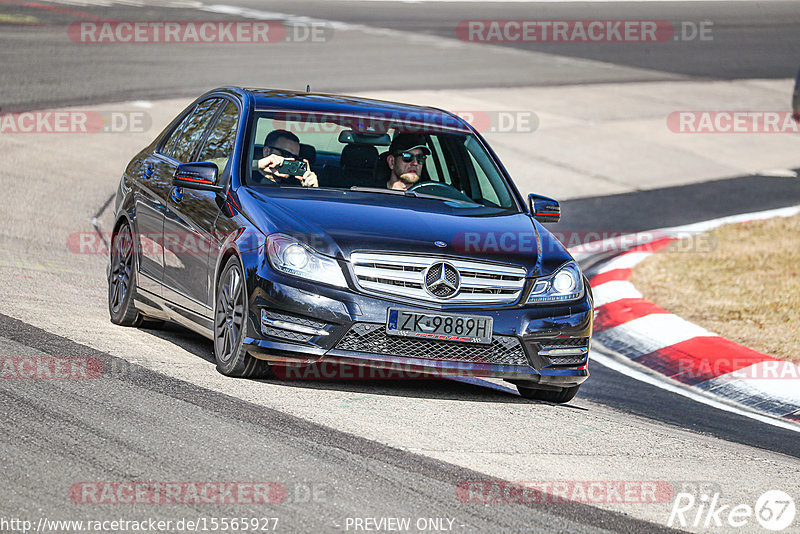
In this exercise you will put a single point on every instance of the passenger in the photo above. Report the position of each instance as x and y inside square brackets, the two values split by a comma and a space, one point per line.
[406, 158]
[278, 146]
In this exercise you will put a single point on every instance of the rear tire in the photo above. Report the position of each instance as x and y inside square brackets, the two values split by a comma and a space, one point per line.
[122, 279]
[230, 326]
[559, 397]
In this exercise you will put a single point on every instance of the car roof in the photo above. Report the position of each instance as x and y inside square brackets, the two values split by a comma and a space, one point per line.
[283, 100]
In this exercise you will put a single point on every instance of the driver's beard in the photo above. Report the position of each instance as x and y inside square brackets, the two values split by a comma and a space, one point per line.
[409, 178]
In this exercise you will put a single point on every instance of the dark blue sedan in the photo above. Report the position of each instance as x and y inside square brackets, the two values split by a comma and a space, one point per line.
[298, 229]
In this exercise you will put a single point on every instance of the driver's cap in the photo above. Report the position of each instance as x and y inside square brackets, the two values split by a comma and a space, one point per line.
[408, 141]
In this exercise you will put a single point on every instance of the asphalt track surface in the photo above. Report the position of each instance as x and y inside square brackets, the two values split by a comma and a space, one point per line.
[43, 67]
[142, 425]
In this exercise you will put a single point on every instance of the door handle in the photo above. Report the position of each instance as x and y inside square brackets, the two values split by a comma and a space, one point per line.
[177, 195]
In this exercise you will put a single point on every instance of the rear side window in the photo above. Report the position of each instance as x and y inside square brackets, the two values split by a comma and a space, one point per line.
[183, 141]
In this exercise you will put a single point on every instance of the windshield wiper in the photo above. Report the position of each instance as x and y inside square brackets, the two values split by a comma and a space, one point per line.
[412, 194]
[384, 190]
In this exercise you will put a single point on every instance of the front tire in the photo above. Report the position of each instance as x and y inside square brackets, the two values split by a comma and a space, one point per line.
[561, 396]
[230, 326]
[122, 279]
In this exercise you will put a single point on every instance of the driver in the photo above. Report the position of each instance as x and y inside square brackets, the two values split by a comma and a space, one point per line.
[406, 158]
[280, 145]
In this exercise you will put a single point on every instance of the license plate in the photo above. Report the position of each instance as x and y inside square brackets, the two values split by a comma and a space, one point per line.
[444, 327]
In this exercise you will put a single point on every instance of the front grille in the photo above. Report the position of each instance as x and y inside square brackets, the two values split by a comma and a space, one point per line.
[567, 360]
[372, 338]
[289, 335]
[285, 334]
[563, 343]
[407, 276]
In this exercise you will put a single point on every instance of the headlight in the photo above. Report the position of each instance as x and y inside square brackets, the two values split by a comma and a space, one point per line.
[287, 255]
[564, 284]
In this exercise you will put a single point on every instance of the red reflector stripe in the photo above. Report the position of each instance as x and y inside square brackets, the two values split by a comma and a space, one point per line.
[195, 180]
[623, 310]
[234, 201]
[614, 275]
[700, 358]
[653, 246]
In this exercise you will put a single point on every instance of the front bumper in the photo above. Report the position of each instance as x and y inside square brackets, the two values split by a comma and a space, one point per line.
[296, 324]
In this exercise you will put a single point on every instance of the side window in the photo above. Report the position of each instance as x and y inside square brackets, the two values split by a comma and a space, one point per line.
[218, 147]
[191, 131]
[486, 189]
[487, 184]
[437, 169]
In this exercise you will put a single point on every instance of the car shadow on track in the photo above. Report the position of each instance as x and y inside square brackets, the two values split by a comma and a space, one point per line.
[472, 389]
[476, 390]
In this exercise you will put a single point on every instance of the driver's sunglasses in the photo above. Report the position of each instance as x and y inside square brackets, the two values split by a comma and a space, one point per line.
[283, 153]
[408, 156]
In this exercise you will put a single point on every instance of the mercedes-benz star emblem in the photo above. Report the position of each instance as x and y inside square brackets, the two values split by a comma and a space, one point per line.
[442, 280]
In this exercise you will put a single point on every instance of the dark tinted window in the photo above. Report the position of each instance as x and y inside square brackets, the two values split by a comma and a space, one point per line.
[183, 142]
[218, 146]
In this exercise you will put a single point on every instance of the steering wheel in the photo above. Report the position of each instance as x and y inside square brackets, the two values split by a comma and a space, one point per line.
[440, 190]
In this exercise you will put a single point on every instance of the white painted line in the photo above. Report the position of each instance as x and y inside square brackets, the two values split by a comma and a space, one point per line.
[613, 291]
[289, 19]
[778, 173]
[628, 370]
[773, 378]
[745, 217]
[745, 394]
[628, 260]
[608, 244]
[654, 332]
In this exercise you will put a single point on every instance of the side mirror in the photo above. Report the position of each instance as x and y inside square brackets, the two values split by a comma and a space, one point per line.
[544, 209]
[202, 175]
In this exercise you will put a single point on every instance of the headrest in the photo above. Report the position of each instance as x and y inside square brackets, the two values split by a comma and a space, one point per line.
[308, 152]
[359, 156]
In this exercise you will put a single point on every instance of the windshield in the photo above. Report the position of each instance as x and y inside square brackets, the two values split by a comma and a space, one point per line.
[351, 153]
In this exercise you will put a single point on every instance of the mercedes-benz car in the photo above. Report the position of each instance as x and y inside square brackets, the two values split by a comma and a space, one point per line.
[453, 275]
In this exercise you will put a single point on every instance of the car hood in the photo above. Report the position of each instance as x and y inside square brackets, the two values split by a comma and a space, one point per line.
[337, 223]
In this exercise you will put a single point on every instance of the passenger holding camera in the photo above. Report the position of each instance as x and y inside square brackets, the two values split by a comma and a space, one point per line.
[281, 162]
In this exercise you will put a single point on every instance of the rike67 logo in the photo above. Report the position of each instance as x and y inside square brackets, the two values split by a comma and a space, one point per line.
[774, 510]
